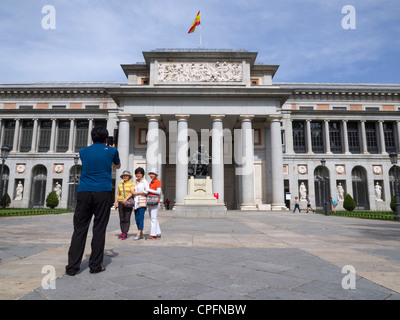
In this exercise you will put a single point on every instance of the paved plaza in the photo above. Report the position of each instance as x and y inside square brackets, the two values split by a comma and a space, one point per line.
[246, 256]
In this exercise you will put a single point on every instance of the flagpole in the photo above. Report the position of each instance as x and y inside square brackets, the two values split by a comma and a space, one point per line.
[201, 40]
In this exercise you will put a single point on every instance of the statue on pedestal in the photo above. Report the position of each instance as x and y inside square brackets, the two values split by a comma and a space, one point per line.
[200, 164]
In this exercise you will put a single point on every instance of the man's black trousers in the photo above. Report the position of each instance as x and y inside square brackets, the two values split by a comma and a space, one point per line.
[89, 204]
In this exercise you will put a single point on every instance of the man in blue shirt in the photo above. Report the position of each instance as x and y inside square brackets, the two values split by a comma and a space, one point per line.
[94, 198]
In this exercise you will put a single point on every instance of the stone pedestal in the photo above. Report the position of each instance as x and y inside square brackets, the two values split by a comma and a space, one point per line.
[303, 205]
[200, 201]
[381, 205]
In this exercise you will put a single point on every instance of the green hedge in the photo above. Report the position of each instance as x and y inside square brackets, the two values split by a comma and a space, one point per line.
[30, 212]
[379, 215]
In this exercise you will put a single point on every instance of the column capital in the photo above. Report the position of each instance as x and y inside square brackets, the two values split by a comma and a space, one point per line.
[124, 117]
[153, 117]
[245, 117]
[182, 117]
[275, 117]
[217, 117]
[345, 120]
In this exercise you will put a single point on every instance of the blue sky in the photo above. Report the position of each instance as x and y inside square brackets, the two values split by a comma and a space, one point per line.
[305, 37]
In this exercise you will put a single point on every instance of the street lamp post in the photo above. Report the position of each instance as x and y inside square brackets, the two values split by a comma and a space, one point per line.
[393, 160]
[5, 150]
[325, 206]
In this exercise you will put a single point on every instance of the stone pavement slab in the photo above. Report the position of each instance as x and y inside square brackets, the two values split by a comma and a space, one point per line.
[246, 256]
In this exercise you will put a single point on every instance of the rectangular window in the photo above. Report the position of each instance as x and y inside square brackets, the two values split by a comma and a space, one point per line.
[26, 136]
[44, 136]
[388, 132]
[299, 137]
[82, 128]
[9, 129]
[353, 137]
[63, 136]
[317, 138]
[335, 137]
[372, 142]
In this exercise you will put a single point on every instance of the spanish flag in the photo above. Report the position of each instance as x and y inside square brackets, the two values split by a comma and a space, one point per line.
[195, 23]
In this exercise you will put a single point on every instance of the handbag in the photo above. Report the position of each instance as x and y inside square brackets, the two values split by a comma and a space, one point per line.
[130, 203]
[153, 200]
[142, 201]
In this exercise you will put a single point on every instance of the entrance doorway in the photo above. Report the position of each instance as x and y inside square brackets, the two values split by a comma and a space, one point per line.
[38, 191]
[319, 173]
[360, 188]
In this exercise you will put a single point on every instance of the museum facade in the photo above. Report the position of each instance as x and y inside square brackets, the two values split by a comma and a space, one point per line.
[264, 140]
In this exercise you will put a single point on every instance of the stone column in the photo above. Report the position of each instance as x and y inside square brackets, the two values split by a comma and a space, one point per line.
[53, 135]
[182, 146]
[289, 137]
[278, 199]
[345, 137]
[71, 135]
[217, 154]
[308, 132]
[364, 138]
[382, 138]
[247, 164]
[16, 136]
[327, 141]
[123, 143]
[153, 152]
[1, 132]
[89, 139]
[398, 136]
[34, 136]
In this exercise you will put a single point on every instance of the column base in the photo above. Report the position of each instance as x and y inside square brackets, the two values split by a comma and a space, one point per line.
[249, 207]
[279, 207]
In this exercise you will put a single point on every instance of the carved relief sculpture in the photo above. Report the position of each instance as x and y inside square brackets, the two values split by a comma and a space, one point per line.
[200, 72]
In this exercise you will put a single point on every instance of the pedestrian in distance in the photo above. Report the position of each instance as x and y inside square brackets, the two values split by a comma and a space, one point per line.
[154, 191]
[296, 204]
[334, 205]
[309, 207]
[121, 203]
[94, 198]
[141, 185]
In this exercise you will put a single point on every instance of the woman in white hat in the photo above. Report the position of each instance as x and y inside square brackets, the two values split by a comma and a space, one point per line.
[154, 190]
[123, 194]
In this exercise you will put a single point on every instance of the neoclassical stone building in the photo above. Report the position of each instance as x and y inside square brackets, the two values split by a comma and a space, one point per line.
[264, 139]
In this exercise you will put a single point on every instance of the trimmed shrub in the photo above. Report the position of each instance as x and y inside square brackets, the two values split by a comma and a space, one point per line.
[52, 200]
[349, 204]
[5, 201]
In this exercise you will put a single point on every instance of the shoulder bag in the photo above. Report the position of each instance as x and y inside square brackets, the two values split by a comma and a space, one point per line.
[130, 203]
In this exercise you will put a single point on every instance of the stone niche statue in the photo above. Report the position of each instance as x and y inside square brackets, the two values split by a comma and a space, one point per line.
[58, 190]
[378, 192]
[19, 191]
[200, 163]
[303, 191]
[340, 192]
